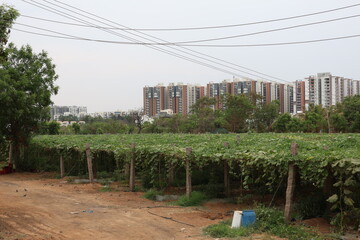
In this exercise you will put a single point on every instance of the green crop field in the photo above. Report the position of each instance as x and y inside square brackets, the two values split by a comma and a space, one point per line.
[265, 155]
[326, 164]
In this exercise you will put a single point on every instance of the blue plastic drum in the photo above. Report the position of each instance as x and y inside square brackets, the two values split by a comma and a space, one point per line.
[248, 218]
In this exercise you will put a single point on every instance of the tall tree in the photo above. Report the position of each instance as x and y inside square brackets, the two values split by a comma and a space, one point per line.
[26, 85]
[265, 115]
[203, 114]
[352, 112]
[137, 117]
[7, 18]
[282, 122]
[238, 109]
[315, 119]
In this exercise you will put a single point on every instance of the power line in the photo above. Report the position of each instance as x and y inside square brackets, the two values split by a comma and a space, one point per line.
[208, 27]
[253, 33]
[72, 37]
[267, 31]
[139, 42]
[275, 44]
[189, 50]
[47, 8]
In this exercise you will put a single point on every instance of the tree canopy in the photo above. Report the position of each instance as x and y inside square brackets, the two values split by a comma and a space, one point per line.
[27, 81]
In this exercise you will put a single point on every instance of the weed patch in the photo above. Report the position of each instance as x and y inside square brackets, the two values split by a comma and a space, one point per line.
[106, 189]
[268, 220]
[151, 194]
[196, 198]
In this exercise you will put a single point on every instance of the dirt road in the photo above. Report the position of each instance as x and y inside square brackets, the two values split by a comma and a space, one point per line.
[34, 206]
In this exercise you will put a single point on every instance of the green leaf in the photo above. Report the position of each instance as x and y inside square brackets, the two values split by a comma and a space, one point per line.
[349, 182]
[338, 184]
[333, 198]
[348, 201]
[334, 207]
[347, 191]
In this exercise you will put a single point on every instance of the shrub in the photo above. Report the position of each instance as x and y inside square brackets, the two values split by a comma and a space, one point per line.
[106, 188]
[151, 194]
[269, 220]
[196, 198]
[223, 229]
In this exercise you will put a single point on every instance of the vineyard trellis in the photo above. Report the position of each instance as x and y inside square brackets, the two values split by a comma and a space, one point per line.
[248, 161]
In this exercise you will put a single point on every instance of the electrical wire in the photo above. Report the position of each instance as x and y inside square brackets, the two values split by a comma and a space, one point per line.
[132, 39]
[248, 34]
[274, 44]
[187, 49]
[268, 31]
[139, 42]
[207, 27]
[72, 37]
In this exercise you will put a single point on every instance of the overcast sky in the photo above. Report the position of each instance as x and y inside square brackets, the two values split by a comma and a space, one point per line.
[109, 77]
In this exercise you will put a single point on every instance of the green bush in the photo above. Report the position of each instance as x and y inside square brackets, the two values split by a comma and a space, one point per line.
[196, 198]
[268, 220]
[223, 229]
[106, 188]
[151, 194]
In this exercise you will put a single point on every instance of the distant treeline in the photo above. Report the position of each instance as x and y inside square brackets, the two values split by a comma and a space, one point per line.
[239, 114]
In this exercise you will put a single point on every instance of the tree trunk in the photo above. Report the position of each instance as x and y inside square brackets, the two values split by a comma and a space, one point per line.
[132, 169]
[16, 155]
[188, 172]
[11, 160]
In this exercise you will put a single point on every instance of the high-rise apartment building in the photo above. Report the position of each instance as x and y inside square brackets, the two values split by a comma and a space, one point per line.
[322, 88]
[218, 91]
[177, 98]
[194, 93]
[356, 87]
[154, 100]
[285, 96]
[238, 87]
[299, 93]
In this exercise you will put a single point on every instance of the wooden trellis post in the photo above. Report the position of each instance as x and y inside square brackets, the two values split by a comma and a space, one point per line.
[226, 175]
[89, 163]
[132, 169]
[290, 184]
[62, 169]
[188, 172]
[171, 175]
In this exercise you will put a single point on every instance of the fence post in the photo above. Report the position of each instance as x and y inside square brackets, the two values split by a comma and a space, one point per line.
[171, 175]
[188, 172]
[132, 168]
[62, 169]
[290, 189]
[226, 174]
[89, 163]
